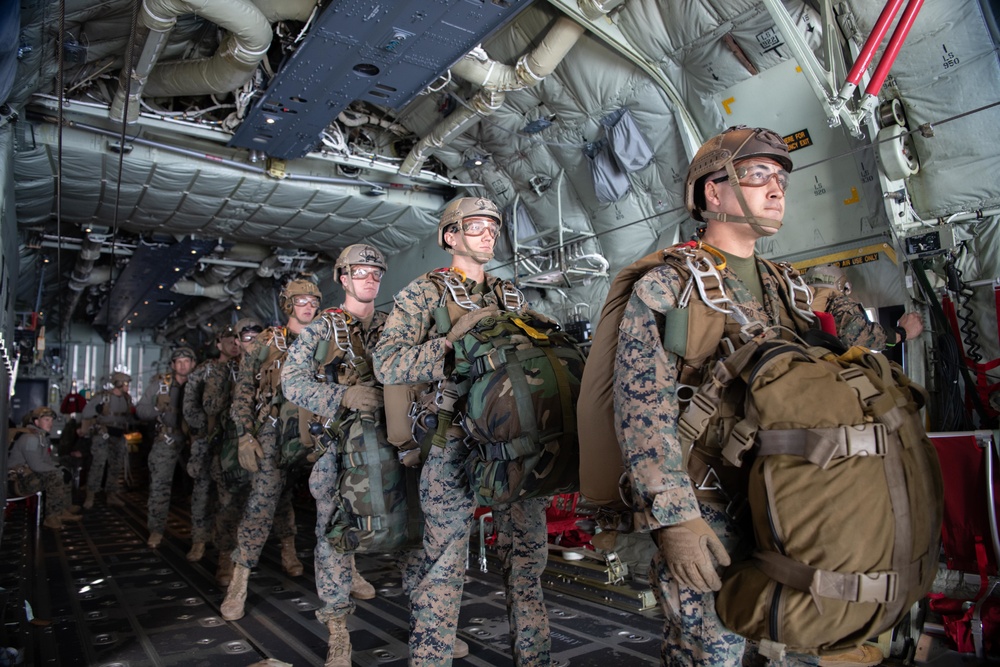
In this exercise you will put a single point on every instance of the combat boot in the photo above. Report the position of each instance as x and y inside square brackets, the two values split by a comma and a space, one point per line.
[88, 503]
[289, 560]
[114, 500]
[74, 509]
[236, 596]
[69, 516]
[865, 655]
[461, 649]
[197, 552]
[154, 540]
[338, 652]
[53, 522]
[224, 573]
[361, 589]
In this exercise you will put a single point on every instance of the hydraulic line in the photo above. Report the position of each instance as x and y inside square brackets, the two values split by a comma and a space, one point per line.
[967, 326]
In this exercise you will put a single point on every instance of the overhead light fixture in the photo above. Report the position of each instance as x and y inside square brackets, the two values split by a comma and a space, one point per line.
[474, 161]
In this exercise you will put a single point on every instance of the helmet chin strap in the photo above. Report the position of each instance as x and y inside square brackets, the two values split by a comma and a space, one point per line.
[763, 226]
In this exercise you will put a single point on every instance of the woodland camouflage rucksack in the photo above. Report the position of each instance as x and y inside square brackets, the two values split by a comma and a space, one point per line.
[523, 379]
[520, 376]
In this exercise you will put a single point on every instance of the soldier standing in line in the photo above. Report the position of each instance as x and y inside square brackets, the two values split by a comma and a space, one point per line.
[106, 418]
[735, 184]
[219, 390]
[163, 402]
[351, 332]
[257, 403]
[31, 454]
[201, 412]
[413, 350]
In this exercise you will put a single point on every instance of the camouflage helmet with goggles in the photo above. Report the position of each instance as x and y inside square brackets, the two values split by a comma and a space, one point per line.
[466, 207]
[359, 253]
[120, 379]
[182, 352]
[297, 287]
[247, 324]
[41, 412]
[721, 152]
[228, 331]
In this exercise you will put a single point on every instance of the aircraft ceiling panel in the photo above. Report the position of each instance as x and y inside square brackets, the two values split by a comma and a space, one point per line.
[379, 52]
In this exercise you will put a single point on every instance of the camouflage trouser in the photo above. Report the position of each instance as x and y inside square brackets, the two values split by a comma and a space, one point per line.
[434, 576]
[522, 543]
[270, 502]
[111, 452]
[333, 569]
[162, 461]
[57, 493]
[692, 632]
[201, 494]
[228, 511]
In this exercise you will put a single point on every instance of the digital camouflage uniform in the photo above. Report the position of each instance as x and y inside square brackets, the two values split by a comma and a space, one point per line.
[217, 393]
[254, 410]
[201, 412]
[646, 414]
[112, 415]
[162, 402]
[34, 450]
[302, 386]
[412, 351]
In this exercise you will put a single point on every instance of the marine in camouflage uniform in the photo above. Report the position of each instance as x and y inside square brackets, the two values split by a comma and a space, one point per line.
[694, 535]
[230, 503]
[107, 417]
[163, 402]
[32, 449]
[411, 351]
[359, 269]
[201, 412]
[257, 403]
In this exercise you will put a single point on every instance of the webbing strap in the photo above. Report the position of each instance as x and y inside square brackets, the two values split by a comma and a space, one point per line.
[562, 381]
[522, 398]
[880, 587]
[376, 489]
[821, 445]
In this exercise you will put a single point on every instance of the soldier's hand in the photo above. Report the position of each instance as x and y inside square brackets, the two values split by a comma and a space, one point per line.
[363, 399]
[467, 322]
[688, 549]
[249, 451]
[194, 468]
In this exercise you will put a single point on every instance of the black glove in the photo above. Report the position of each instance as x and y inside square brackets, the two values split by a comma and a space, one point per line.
[67, 475]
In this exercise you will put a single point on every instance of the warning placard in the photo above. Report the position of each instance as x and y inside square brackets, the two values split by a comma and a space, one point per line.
[798, 140]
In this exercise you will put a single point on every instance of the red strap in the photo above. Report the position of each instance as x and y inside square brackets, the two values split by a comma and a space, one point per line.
[826, 322]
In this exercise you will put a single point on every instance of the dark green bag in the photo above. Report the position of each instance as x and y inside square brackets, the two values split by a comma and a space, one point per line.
[233, 474]
[379, 508]
[524, 379]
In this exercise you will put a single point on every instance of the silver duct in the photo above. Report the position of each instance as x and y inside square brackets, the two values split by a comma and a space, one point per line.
[80, 278]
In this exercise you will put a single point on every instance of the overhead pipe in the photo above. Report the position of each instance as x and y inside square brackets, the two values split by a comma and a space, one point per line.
[495, 79]
[152, 34]
[90, 252]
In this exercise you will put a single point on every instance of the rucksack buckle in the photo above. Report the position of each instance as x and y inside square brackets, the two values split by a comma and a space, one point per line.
[880, 587]
[741, 439]
[868, 441]
[693, 422]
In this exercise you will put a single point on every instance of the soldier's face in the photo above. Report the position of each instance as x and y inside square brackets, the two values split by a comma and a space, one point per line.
[366, 286]
[44, 423]
[229, 346]
[183, 365]
[766, 201]
[306, 312]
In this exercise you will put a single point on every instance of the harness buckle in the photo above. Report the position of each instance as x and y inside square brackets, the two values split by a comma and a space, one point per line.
[458, 291]
[878, 587]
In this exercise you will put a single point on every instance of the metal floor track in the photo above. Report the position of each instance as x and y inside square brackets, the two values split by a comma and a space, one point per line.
[102, 598]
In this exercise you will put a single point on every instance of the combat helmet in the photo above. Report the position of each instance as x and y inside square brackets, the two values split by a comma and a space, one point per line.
[295, 288]
[183, 351]
[247, 324]
[39, 412]
[120, 379]
[359, 253]
[720, 153]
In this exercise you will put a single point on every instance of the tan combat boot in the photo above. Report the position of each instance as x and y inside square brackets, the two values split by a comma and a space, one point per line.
[236, 596]
[338, 653]
[461, 649]
[289, 560]
[197, 552]
[88, 503]
[154, 540]
[74, 509]
[224, 573]
[361, 589]
[865, 655]
[53, 522]
[69, 516]
[114, 500]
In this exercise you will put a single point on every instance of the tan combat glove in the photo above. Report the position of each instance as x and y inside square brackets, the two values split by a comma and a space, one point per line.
[466, 322]
[249, 451]
[363, 399]
[688, 549]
